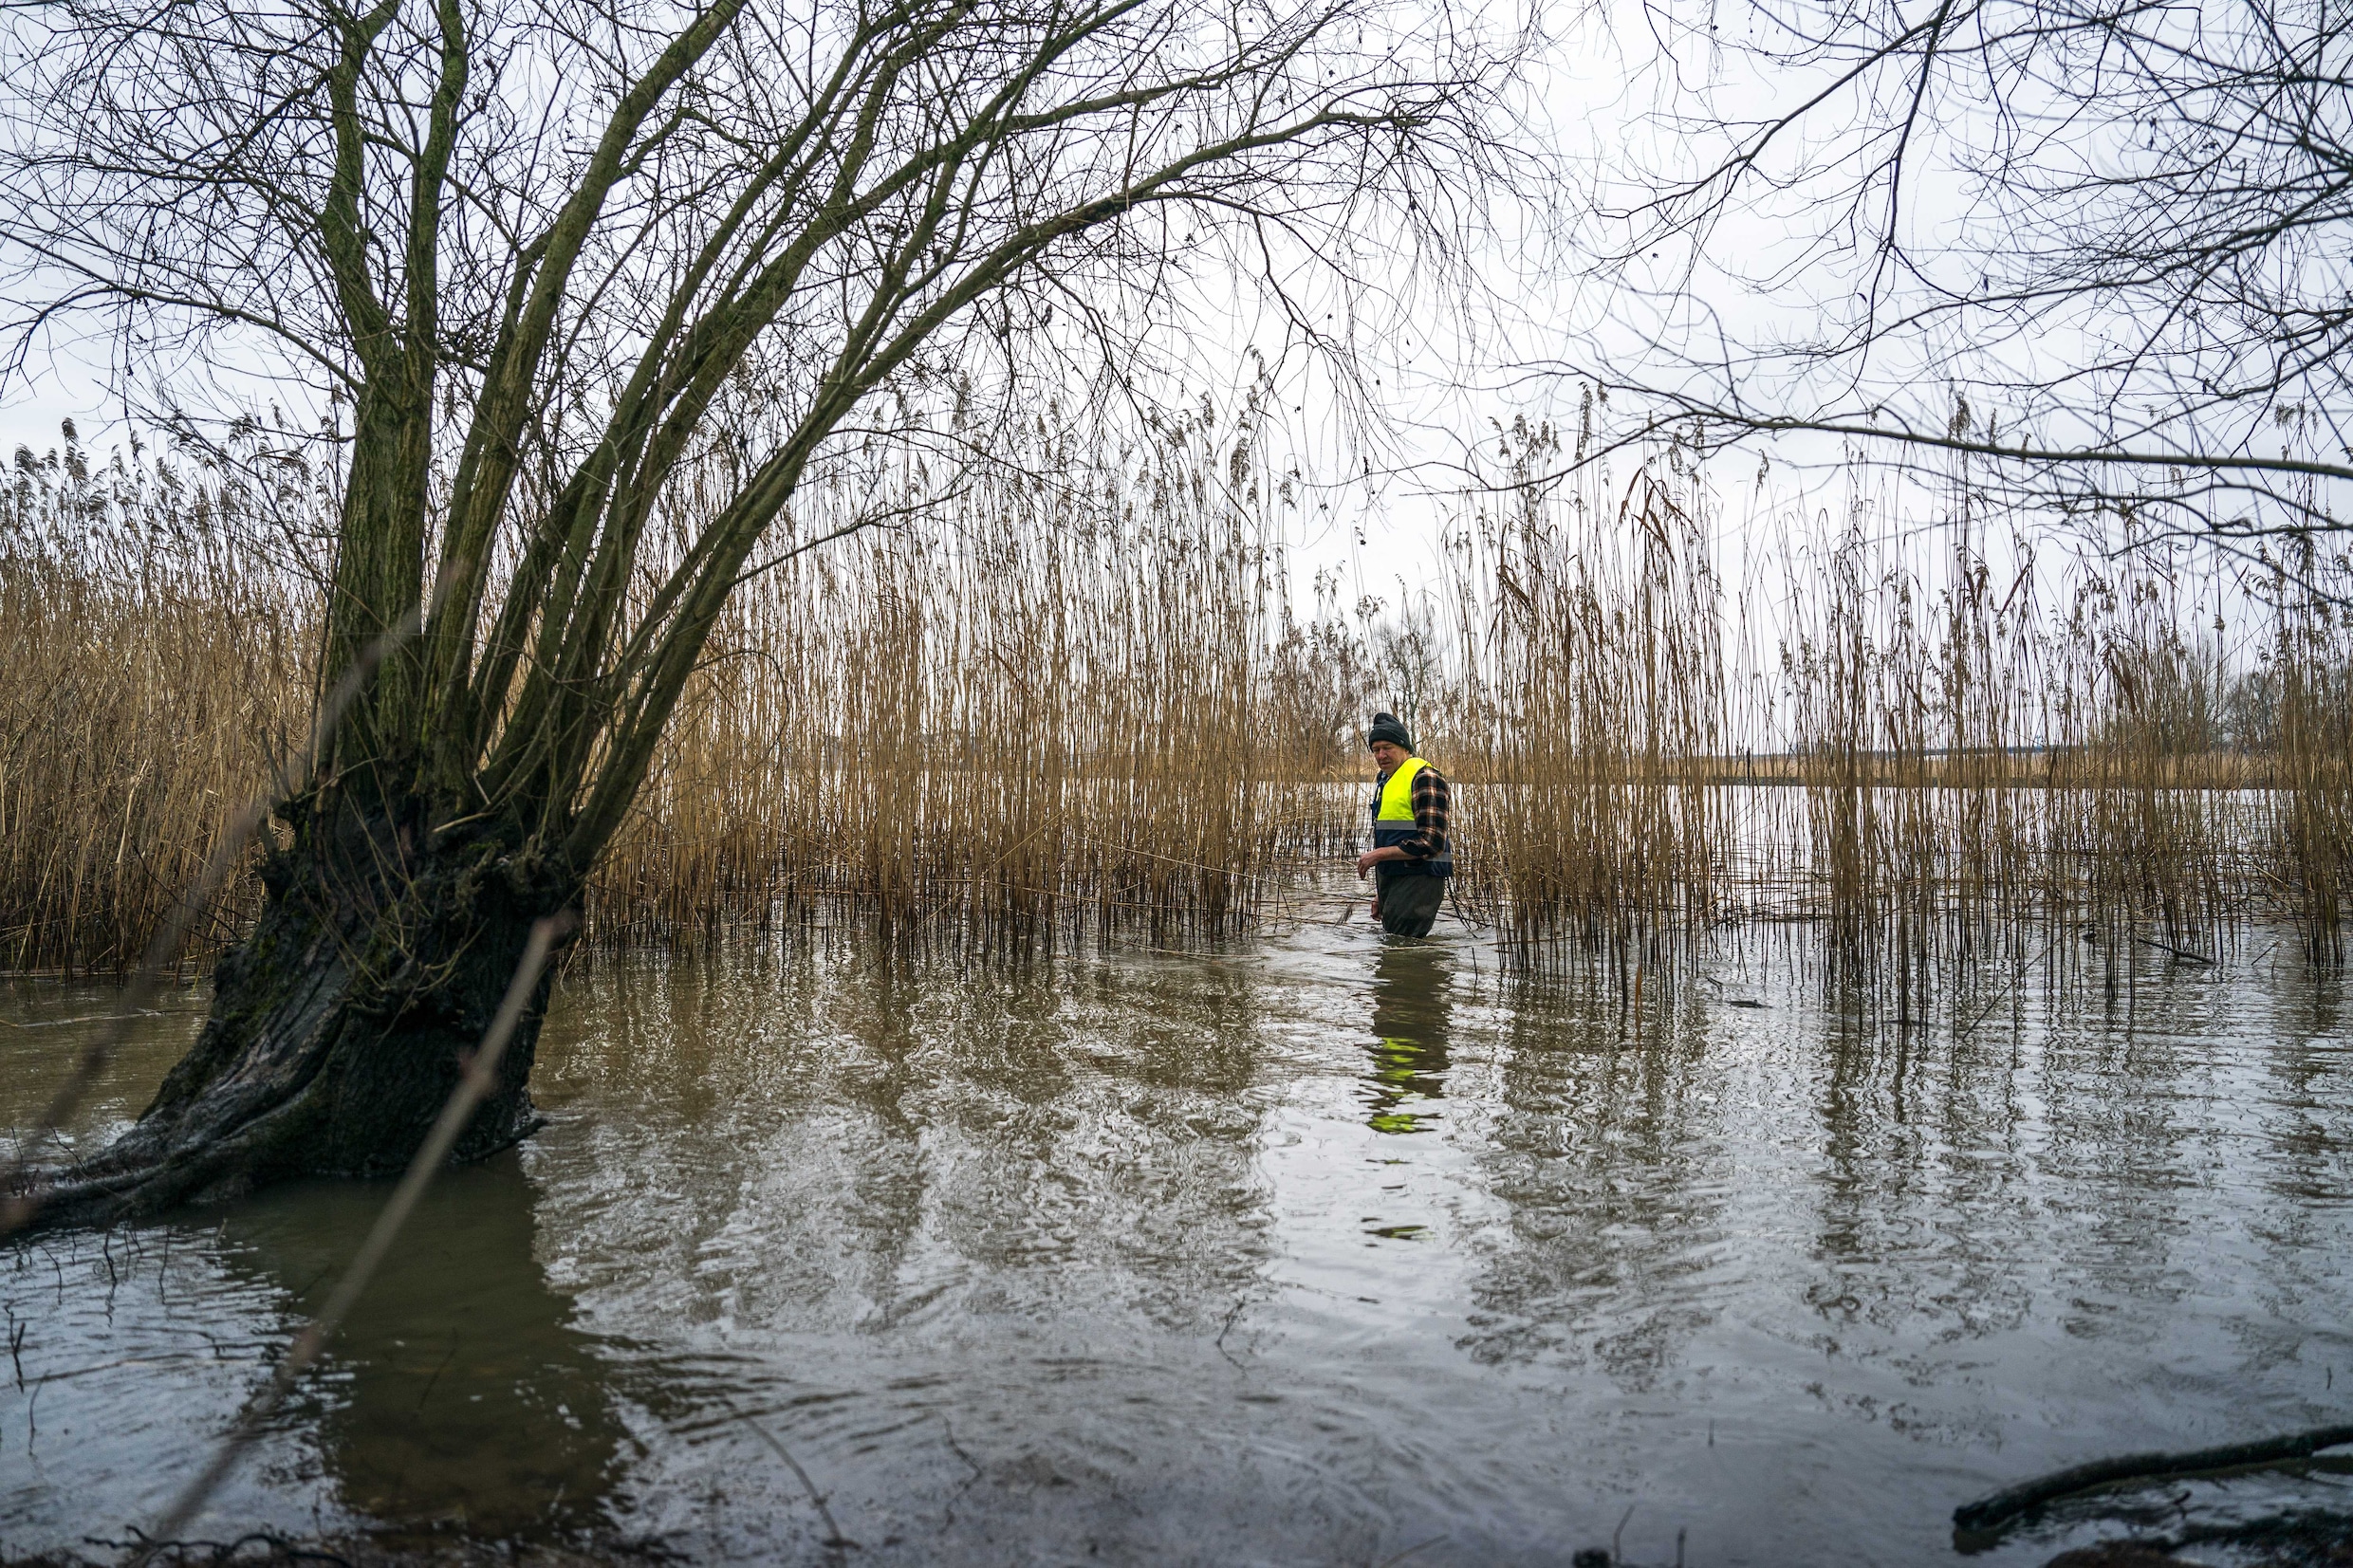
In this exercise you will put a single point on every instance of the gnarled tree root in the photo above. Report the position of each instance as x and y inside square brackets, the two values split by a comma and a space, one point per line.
[336, 1035]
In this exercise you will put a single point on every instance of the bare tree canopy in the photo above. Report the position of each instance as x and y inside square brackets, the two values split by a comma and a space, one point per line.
[561, 241]
[2104, 244]
[599, 283]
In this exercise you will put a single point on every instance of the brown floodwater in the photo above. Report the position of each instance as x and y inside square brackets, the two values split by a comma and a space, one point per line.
[1322, 1251]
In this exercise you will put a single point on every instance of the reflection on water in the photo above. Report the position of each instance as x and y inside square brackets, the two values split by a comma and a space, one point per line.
[1325, 1251]
[458, 1392]
[1411, 981]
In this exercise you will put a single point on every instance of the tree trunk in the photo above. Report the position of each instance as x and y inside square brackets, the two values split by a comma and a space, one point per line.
[339, 1024]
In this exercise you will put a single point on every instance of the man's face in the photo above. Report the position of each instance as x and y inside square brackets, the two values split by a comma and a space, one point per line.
[1387, 755]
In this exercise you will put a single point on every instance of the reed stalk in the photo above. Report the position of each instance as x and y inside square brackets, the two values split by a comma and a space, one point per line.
[1065, 699]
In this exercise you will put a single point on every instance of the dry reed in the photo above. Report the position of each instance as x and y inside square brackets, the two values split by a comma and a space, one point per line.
[150, 675]
[1030, 713]
[1066, 698]
[1593, 685]
[1058, 717]
[1927, 761]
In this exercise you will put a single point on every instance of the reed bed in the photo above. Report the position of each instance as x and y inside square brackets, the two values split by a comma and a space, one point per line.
[1061, 700]
[2303, 719]
[151, 672]
[1065, 699]
[1933, 764]
[1593, 692]
[1071, 710]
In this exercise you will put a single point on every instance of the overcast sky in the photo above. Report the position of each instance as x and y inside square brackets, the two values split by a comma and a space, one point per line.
[1448, 355]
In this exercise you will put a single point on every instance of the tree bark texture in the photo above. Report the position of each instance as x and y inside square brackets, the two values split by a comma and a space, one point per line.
[339, 1025]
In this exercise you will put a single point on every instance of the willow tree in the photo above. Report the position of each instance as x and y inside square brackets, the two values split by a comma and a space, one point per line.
[558, 262]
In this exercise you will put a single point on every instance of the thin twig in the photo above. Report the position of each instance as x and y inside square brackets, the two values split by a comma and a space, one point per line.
[1420, 1546]
[2177, 953]
[835, 1542]
[2004, 988]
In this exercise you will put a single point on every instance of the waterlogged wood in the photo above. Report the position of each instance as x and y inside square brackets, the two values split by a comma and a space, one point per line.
[478, 1079]
[1989, 1513]
[339, 1029]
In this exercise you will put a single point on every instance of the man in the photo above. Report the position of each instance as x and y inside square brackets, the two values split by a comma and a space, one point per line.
[1409, 834]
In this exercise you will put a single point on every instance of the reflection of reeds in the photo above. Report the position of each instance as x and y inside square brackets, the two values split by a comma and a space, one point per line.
[1047, 713]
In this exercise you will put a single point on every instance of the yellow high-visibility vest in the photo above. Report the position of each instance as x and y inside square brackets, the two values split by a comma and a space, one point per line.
[1393, 822]
[1395, 809]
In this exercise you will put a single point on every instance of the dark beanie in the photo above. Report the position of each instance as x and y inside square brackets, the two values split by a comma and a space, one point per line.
[1387, 728]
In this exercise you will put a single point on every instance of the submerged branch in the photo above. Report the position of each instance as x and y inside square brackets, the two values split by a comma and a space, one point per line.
[1992, 1513]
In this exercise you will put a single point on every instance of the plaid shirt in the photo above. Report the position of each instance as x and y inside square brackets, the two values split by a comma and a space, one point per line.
[1432, 803]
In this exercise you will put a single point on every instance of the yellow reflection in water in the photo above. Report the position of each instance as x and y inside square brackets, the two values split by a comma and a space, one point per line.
[1411, 1017]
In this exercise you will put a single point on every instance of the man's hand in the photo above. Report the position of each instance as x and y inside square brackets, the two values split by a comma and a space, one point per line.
[1371, 857]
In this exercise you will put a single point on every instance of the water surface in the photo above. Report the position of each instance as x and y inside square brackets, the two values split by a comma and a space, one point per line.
[1314, 1252]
